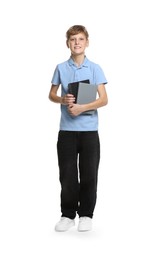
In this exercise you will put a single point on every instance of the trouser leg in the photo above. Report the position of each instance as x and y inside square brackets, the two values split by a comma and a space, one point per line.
[89, 156]
[67, 159]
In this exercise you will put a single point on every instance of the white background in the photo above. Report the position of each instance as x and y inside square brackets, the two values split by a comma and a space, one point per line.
[124, 41]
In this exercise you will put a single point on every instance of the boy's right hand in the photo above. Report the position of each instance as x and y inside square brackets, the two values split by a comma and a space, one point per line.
[68, 99]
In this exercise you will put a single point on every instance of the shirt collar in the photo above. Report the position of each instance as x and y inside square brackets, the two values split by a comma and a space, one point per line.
[84, 64]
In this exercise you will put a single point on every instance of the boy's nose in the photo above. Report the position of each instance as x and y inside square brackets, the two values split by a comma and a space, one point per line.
[76, 41]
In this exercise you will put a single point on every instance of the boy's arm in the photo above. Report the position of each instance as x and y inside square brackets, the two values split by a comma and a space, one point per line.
[101, 101]
[53, 94]
[64, 100]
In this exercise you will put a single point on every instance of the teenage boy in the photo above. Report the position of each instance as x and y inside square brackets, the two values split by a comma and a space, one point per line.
[78, 144]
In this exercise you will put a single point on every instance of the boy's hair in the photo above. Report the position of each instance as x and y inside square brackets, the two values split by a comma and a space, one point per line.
[75, 29]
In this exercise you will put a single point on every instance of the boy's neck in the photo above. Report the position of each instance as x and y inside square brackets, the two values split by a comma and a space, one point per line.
[78, 59]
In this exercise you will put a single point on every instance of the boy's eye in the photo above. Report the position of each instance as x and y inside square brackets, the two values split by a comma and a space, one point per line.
[73, 39]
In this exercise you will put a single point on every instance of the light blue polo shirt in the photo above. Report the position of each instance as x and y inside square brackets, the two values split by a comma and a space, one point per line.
[68, 72]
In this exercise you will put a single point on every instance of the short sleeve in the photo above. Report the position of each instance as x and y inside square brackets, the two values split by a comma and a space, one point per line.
[100, 76]
[56, 77]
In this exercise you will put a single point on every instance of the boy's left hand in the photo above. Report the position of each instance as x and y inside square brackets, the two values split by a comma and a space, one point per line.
[75, 109]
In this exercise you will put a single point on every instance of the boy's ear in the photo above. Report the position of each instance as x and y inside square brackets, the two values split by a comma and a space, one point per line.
[87, 42]
[67, 44]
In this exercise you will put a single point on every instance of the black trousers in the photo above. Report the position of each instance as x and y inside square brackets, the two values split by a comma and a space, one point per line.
[78, 159]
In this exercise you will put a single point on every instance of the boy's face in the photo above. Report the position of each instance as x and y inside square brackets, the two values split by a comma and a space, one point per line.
[77, 43]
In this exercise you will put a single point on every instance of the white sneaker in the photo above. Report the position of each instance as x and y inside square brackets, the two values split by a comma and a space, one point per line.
[64, 224]
[85, 224]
